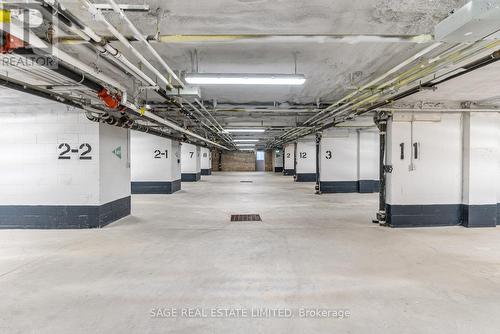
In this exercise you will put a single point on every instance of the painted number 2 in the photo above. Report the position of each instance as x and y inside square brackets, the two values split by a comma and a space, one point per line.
[303, 155]
[84, 150]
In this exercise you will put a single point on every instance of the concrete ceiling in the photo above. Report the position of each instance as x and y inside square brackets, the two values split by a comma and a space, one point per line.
[332, 69]
[480, 86]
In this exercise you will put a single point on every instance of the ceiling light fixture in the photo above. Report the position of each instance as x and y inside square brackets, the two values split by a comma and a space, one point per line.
[244, 130]
[245, 144]
[245, 140]
[244, 79]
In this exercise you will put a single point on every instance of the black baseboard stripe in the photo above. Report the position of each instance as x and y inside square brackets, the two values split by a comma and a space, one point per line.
[480, 215]
[278, 169]
[305, 177]
[289, 172]
[151, 187]
[63, 216]
[190, 177]
[338, 186]
[206, 172]
[442, 215]
[368, 186]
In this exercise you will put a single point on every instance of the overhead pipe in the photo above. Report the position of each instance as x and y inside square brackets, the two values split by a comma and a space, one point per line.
[103, 46]
[279, 38]
[217, 131]
[23, 87]
[438, 110]
[158, 119]
[141, 38]
[455, 57]
[95, 86]
[379, 78]
[99, 16]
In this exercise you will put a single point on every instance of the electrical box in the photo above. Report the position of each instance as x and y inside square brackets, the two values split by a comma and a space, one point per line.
[477, 20]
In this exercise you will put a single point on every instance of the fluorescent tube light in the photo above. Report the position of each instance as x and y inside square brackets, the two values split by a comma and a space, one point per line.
[245, 140]
[245, 130]
[244, 79]
[245, 144]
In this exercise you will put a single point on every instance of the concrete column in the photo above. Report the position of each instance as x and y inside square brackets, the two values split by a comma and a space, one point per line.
[289, 167]
[368, 160]
[155, 164]
[425, 185]
[339, 161]
[481, 169]
[190, 163]
[306, 160]
[278, 160]
[206, 161]
[58, 169]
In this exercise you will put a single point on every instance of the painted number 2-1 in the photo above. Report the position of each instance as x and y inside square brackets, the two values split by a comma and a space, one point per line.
[160, 154]
[83, 150]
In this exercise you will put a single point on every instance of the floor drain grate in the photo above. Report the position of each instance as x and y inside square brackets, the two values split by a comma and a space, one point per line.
[244, 181]
[246, 218]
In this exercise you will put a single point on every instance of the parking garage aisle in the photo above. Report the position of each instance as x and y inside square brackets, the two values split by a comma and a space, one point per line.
[310, 251]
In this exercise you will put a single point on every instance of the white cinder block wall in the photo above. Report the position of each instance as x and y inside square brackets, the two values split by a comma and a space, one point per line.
[206, 161]
[349, 160]
[58, 169]
[306, 160]
[452, 179]
[289, 168]
[190, 163]
[155, 164]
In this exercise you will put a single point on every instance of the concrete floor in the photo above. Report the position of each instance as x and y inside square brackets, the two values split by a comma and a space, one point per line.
[310, 251]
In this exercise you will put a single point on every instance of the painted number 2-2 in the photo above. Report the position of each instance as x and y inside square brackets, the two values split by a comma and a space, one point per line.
[66, 150]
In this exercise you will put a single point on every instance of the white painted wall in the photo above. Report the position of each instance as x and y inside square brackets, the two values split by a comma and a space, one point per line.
[437, 174]
[190, 158]
[290, 156]
[306, 156]
[481, 160]
[368, 154]
[153, 158]
[114, 171]
[175, 166]
[342, 146]
[206, 158]
[30, 171]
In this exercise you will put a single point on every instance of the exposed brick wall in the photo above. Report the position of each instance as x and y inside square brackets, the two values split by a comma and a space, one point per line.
[269, 160]
[215, 160]
[238, 161]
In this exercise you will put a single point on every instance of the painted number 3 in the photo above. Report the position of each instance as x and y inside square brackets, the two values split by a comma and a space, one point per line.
[328, 155]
